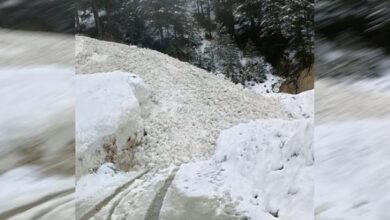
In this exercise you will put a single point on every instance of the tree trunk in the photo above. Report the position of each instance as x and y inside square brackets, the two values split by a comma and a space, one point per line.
[108, 11]
[160, 29]
[197, 6]
[77, 23]
[201, 9]
[98, 24]
[209, 18]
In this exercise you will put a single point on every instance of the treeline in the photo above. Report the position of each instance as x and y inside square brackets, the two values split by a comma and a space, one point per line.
[238, 38]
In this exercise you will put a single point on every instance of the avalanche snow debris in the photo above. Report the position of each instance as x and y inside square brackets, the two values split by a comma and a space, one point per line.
[190, 105]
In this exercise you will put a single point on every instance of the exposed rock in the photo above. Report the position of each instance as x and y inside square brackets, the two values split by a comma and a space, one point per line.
[303, 82]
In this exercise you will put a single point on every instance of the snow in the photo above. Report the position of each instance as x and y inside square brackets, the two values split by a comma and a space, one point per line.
[25, 95]
[97, 186]
[259, 169]
[98, 58]
[236, 159]
[379, 85]
[271, 85]
[25, 118]
[300, 105]
[273, 160]
[147, 189]
[92, 189]
[26, 184]
[109, 121]
[204, 44]
[351, 149]
[189, 105]
[351, 170]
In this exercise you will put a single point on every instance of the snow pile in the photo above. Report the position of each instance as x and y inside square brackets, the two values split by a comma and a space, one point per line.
[261, 170]
[352, 176]
[190, 105]
[109, 120]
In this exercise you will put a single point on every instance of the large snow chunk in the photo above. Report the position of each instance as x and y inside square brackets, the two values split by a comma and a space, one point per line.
[261, 170]
[108, 115]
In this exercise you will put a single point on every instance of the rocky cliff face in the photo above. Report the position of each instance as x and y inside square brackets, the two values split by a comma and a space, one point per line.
[303, 82]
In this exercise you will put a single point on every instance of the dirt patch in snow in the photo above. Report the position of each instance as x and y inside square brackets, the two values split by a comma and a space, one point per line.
[190, 106]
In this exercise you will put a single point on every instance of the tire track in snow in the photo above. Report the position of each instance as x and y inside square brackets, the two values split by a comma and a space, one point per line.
[103, 203]
[154, 209]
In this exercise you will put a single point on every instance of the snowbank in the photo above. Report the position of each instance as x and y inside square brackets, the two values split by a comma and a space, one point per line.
[109, 122]
[260, 170]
